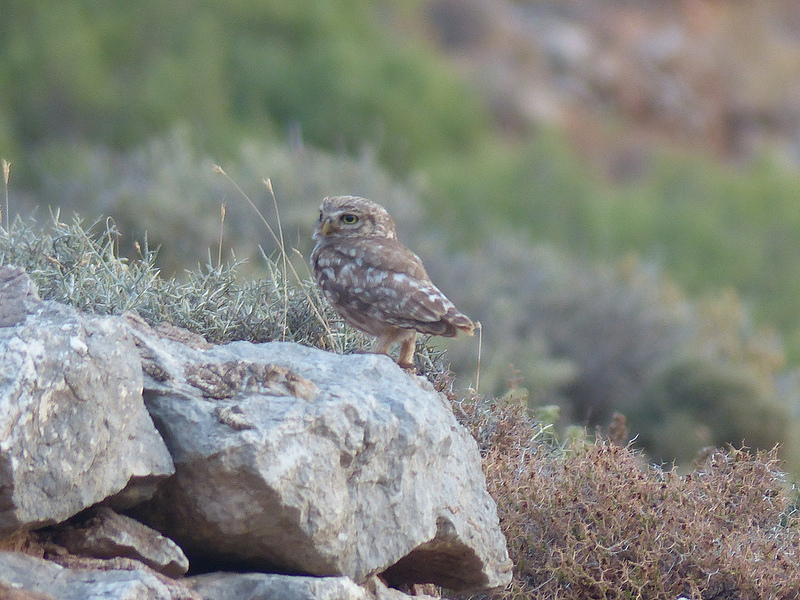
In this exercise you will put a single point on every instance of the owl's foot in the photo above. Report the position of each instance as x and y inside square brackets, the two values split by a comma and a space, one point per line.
[408, 367]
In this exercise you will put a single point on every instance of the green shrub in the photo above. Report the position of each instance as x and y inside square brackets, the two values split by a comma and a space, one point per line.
[598, 340]
[697, 403]
[709, 225]
[78, 265]
[332, 72]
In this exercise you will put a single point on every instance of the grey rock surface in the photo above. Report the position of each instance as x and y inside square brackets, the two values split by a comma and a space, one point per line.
[261, 586]
[296, 460]
[18, 296]
[73, 426]
[106, 534]
[35, 578]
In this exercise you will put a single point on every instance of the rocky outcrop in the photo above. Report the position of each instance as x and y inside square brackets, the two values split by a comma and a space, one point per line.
[296, 460]
[73, 428]
[287, 460]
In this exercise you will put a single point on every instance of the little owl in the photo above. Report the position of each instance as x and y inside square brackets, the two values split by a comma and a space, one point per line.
[374, 282]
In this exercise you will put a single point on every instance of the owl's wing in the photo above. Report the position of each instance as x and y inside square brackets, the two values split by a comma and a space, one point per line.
[391, 284]
[391, 256]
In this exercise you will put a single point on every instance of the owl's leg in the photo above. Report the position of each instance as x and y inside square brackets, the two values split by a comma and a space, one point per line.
[406, 358]
[386, 340]
[405, 337]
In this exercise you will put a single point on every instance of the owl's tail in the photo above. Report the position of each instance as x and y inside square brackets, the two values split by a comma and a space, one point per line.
[458, 322]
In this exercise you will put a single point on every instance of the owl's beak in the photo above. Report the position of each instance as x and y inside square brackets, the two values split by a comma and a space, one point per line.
[327, 227]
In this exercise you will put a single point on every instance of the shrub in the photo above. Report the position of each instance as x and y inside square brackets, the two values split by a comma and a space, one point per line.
[593, 520]
[709, 225]
[598, 339]
[119, 74]
[696, 402]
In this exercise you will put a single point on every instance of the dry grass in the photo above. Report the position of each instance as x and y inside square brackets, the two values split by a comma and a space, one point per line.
[593, 520]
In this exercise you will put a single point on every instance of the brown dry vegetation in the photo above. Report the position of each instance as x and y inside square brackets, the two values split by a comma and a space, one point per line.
[594, 520]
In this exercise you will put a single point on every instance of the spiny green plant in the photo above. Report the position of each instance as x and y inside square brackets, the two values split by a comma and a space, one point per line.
[78, 265]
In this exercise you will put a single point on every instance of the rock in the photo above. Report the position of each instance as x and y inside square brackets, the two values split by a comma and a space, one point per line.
[290, 459]
[73, 426]
[106, 534]
[286, 458]
[9, 593]
[18, 296]
[33, 578]
[261, 586]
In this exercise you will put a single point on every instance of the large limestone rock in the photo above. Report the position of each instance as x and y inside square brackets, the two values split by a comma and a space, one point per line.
[28, 578]
[295, 460]
[73, 426]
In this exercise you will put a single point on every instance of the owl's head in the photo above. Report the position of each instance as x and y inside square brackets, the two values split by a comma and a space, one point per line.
[352, 216]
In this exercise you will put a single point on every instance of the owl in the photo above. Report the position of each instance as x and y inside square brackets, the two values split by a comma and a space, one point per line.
[374, 282]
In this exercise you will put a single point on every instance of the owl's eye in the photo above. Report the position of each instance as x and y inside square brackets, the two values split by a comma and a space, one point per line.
[349, 219]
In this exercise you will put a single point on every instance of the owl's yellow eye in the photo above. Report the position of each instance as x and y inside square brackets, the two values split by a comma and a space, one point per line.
[349, 219]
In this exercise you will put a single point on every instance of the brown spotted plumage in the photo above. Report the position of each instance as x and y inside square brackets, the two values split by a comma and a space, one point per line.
[375, 283]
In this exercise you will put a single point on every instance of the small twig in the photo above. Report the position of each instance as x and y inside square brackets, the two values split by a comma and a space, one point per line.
[268, 184]
[221, 231]
[479, 327]
[113, 235]
[221, 171]
[6, 174]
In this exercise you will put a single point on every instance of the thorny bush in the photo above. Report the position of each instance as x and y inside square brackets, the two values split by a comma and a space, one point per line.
[592, 520]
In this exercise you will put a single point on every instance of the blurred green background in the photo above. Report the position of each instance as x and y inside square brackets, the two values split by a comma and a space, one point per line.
[613, 188]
